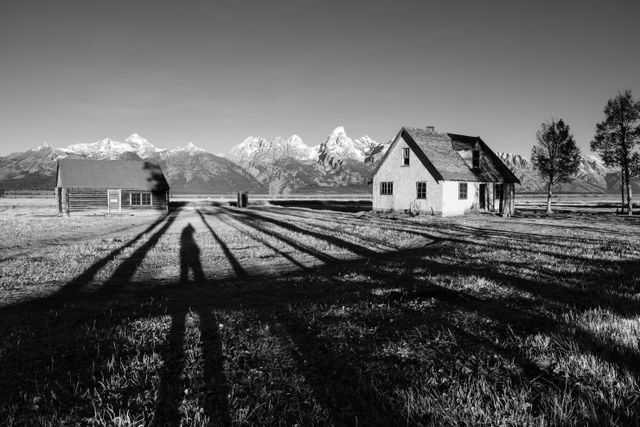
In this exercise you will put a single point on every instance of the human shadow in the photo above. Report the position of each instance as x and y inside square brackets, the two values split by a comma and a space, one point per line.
[334, 384]
[190, 256]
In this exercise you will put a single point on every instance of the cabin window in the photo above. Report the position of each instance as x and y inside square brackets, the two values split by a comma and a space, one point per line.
[462, 191]
[386, 188]
[475, 160]
[140, 199]
[405, 156]
[499, 191]
[421, 190]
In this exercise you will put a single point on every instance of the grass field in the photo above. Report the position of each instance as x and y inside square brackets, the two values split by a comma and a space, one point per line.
[288, 315]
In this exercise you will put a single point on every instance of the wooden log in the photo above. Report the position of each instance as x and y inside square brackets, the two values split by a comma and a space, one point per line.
[508, 197]
[59, 199]
[65, 201]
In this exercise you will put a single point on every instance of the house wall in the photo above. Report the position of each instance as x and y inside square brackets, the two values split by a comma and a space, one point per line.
[94, 200]
[454, 206]
[158, 201]
[404, 180]
[86, 199]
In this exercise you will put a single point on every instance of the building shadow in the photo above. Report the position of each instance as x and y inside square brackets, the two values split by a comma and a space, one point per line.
[345, 390]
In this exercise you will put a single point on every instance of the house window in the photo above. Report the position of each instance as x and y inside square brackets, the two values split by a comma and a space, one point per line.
[499, 191]
[386, 188]
[421, 190]
[140, 199]
[405, 157]
[462, 191]
[475, 160]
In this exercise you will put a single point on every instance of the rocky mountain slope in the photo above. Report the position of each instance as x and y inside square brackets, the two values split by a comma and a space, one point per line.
[592, 177]
[278, 166]
[288, 165]
[188, 169]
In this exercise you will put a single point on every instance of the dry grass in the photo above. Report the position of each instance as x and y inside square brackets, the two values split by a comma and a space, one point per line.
[298, 316]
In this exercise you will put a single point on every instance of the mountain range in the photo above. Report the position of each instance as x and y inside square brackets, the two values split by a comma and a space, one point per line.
[277, 166]
[289, 165]
[188, 169]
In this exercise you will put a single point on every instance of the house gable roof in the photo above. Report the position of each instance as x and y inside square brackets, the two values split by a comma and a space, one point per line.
[135, 175]
[492, 169]
[438, 153]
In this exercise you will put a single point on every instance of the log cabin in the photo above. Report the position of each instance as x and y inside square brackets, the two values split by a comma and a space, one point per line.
[442, 174]
[111, 187]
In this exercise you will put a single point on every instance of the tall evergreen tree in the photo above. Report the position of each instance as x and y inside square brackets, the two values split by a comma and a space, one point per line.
[618, 137]
[556, 156]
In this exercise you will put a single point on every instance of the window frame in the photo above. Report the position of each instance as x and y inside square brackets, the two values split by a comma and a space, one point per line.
[499, 191]
[406, 159]
[418, 192]
[464, 185]
[139, 196]
[386, 188]
[475, 159]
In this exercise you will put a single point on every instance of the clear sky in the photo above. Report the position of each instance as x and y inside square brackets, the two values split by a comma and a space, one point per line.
[215, 72]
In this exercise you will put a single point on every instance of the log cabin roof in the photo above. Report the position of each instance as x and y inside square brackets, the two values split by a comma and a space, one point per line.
[438, 152]
[135, 175]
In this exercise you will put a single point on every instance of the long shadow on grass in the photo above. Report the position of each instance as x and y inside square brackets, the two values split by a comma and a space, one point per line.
[171, 389]
[255, 224]
[125, 271]
[491, 238]
[334, 388]
[237, 268]
[72, 288]
[483, 235]
[233, 223]
[341, 243]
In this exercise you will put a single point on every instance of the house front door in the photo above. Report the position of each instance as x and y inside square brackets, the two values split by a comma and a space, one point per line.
[114, 200]
[482, 202]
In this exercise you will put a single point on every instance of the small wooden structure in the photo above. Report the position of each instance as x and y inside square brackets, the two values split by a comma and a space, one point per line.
[113, 187]
[243, 199]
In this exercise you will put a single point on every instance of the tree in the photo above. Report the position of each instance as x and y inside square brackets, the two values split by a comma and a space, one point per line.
[556, 155]
[617, 138]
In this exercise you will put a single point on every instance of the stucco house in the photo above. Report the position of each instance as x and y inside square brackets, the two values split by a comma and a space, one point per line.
[442, 174]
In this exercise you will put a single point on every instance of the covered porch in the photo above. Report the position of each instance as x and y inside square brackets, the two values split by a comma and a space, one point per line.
[496, 197]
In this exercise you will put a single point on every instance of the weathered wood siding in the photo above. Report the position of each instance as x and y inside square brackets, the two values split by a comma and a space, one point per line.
[95, 200]
[158, 201]
[85, 199]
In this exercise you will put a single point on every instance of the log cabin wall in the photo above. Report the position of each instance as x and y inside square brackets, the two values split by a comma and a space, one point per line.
[95, 200]
[87, 199]
[158, 201]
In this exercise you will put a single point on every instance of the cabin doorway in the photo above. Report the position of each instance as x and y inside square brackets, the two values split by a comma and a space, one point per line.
[482, 203]
[114, 200]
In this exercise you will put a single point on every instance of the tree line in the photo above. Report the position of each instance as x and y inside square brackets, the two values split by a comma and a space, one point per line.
[617, 140]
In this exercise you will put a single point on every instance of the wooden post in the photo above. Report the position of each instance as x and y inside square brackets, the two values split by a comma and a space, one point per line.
[508, 203]
[487, 199]
[59, 199]
[65, 200]
[493, 197]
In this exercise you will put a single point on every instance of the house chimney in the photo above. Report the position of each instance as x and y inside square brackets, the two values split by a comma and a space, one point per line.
[431, 128]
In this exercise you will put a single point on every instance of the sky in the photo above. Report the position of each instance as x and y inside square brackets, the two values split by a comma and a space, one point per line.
[215, 72]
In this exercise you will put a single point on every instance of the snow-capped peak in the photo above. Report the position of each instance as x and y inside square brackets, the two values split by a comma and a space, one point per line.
[134, 138]
[277, 148]
[109, 148]
[44, 146]
[339, 130]
[189, 148]
[338, 146]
